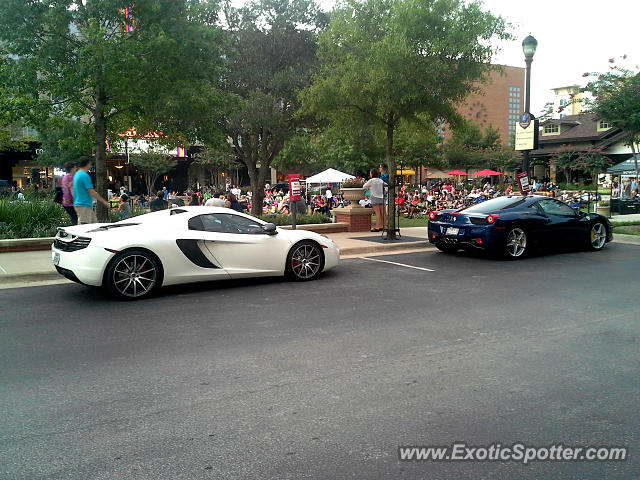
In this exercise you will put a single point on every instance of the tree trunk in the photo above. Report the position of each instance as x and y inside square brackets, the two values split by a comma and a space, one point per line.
[100, 129]
[391, 165]
[258, 178]
[635, 156]
[101, 161]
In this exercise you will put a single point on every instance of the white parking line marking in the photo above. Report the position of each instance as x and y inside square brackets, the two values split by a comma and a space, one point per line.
[399, 264]
[3, 270]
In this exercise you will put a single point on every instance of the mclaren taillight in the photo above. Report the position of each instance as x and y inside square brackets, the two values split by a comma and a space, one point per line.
[492, 218]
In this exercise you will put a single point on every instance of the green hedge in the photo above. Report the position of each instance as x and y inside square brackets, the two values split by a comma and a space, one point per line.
[285, 219]
[31, 218]
[39, 216]
[587, 187]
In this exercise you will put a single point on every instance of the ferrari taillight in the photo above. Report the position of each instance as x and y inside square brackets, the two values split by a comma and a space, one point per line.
[432, 215]
[492, 218]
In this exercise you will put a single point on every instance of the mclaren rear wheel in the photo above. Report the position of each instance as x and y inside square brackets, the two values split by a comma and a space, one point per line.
[133, 274]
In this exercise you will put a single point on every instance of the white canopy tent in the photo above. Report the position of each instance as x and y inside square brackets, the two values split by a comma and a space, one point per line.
[330, 175]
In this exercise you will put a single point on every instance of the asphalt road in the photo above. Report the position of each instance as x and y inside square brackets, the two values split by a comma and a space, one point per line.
[324, 380]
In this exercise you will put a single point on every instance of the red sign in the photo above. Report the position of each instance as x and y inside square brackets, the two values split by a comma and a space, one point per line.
[523, 183]
[294, 187]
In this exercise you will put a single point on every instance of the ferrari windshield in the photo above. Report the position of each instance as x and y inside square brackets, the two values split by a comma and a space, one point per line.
[495, 204]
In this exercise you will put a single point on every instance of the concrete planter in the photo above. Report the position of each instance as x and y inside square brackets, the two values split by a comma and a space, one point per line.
[354, 195]
[605, 211]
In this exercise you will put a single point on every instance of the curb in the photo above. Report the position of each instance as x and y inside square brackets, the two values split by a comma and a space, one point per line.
[30, 277]
[25, 244]
[424, 245]
[628, 239]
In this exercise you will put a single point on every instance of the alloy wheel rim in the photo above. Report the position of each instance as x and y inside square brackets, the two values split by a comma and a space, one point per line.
[305, 261]
[598, 235]
[516, 242]
[134, 276]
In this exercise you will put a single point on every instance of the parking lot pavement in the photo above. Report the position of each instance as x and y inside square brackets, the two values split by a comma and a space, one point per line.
[266, 379]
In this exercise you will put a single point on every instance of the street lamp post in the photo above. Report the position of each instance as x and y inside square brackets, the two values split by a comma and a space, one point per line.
[529, 46]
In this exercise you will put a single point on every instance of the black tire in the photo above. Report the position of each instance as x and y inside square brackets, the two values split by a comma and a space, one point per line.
[133, 274]
[447, 247]
[516, 243]
[304, 261]
[597, 236]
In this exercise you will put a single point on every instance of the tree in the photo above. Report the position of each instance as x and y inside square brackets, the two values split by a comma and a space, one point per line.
[64, 140]
[385, 61]
[616, 99]
[153, 164]
[214, 162]
[417, 144]
[470, 147]
[272, 54]
[112, 65]
[594, 161]
[505, 159]
[564, 160]
[355, 150]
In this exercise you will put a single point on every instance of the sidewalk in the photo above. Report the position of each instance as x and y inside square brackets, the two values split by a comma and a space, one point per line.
[18, 269]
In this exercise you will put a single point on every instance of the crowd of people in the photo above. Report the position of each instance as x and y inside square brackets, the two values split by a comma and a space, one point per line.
[78, 196]
[626, 189]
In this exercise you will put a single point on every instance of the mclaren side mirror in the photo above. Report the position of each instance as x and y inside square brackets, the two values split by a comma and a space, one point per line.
[269, 229]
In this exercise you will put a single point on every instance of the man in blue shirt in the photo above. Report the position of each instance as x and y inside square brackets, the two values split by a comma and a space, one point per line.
[84, 193]
[384, 175]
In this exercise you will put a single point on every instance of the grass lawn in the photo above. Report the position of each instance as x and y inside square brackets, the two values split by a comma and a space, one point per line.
[586, 188]
[628, 230]
[407, 222]
[622, 223]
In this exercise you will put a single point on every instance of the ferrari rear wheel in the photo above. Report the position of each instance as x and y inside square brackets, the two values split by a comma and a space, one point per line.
[597, 236]
[304, 262]
[133, 274]
[516, 244]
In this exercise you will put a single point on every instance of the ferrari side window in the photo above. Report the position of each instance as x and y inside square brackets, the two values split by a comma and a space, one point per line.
[554, 207]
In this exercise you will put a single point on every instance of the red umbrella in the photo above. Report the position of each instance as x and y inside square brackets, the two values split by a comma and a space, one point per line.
[457, 172]
[485, 173]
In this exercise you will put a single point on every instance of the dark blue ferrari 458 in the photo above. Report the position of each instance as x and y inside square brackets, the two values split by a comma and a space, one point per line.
[513, 225]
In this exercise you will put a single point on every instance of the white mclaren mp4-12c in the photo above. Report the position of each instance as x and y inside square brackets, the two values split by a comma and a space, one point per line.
[134, 257]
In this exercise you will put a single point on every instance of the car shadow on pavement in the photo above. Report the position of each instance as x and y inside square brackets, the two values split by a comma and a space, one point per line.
[93, 294]
[530, 255]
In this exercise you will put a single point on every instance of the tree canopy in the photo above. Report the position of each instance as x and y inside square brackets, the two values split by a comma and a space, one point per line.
[384, 61]
[616, 99]
[154, 66]
[272, 53]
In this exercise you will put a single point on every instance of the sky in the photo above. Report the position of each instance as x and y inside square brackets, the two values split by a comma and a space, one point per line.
[574, 37]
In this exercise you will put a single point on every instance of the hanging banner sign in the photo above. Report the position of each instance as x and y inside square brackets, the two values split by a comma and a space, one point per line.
[523, 183]
[527, 132]
[294, 187]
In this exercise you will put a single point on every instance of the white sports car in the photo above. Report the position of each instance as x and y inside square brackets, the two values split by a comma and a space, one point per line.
[133, 257]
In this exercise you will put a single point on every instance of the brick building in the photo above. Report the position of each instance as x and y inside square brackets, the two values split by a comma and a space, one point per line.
[499, 103]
